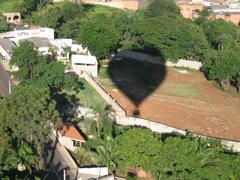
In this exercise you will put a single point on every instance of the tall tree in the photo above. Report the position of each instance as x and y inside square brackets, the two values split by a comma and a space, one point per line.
[160, 7]
[222, 66]
[24, 57]
[3, 24]
[28, 117]
[99, 35]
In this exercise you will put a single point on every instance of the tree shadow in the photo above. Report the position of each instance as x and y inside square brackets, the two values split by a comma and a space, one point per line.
[137, 75]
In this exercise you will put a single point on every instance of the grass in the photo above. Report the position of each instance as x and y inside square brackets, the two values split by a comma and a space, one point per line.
[99, 9]
[183, 68]
[90, 98]
[180, 89]
[10, 5]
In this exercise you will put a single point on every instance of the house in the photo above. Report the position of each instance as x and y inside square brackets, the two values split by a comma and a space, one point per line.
[189, 8]
[70, 137]
[13, 17]
[6, 47]
[121, 4]
[85, 63]
[227, 13]
[28, 31]
[43, 44]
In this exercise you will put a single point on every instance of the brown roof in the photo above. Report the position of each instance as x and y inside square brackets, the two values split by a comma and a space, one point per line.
[68, 130]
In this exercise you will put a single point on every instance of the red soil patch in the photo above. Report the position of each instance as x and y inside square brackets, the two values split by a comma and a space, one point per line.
[213, 112]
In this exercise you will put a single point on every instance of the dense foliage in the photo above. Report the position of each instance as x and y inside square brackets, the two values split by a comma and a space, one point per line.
[27, 118]
[40, 70]
[100, 35]
[164, 156]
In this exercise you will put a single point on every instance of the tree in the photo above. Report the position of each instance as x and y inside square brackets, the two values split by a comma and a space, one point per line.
[42, 71]
[3, 24]
[136, 147]
[28, 116]
[193, 42]
[161, 7]
[99, 35]
[222, 66]
[24, 57]
[217, 28]
[29, 6]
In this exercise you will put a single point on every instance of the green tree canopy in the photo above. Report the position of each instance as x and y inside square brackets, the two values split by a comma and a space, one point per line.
[99, 35]
[28, 116]
[3, 24]
[24, 57]
[222, 66]
[215, 31]
[160, 7]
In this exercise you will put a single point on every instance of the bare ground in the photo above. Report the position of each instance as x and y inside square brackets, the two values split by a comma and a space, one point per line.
[212, 112]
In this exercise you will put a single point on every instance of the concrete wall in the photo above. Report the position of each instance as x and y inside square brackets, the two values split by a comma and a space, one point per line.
[107, 97]
[101, 171]
[4, 53]
[143, 57]
[90, 69]
[161, 128]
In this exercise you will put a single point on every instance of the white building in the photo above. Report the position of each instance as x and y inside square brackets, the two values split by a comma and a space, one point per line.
[28, 32]
[70, 137]
[85, 63]
[6, 47]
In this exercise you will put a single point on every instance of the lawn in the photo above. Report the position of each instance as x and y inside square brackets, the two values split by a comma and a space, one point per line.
[98, 9]
[89, 97]
[180, 89]
[10, 5]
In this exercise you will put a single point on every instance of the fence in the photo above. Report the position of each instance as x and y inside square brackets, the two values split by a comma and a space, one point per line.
[157, 60]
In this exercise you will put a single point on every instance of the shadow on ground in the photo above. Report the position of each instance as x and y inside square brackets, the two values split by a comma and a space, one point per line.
[135, 76]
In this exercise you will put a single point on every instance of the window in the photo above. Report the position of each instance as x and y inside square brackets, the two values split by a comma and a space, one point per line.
[76, 143]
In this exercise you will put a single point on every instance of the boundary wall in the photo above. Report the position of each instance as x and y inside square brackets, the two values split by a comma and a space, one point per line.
[143, 57]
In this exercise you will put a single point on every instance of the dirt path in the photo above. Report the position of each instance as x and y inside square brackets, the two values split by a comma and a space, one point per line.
[212, 112]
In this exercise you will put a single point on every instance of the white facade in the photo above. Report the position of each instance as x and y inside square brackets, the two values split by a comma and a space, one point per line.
[28, 33]
[5, 55]
[70, 143]
[85, 63]
[79, 49]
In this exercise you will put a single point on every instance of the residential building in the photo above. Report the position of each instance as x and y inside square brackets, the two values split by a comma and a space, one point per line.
[6, 47]
[70, 137]
[227, 13]
[84, 63]
[121, 4]
[28, 31]
[189, 8]
[43, 44]
[13, 17]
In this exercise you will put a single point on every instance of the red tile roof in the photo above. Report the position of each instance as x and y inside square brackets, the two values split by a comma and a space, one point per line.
[68, 130]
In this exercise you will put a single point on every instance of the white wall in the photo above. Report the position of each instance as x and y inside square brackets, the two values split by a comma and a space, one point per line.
[90, 69]
[107, 97]
[101, 171]
[67, 142]
[143, 57]
[22, 34]
[77, 48]
[5, 54]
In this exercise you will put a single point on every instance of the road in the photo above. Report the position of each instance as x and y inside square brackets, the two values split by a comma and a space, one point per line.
[58, 160]
[4, 81]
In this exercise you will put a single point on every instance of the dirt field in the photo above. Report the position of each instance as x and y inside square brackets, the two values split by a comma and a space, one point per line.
[204, 109]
